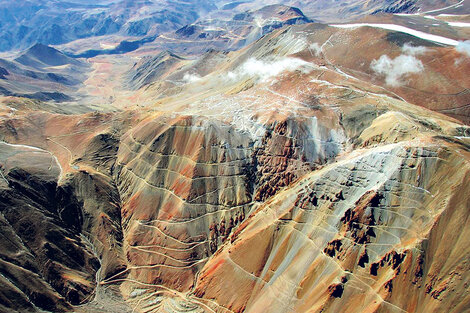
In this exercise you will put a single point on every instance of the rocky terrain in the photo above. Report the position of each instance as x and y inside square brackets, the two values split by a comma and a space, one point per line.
[313, 168]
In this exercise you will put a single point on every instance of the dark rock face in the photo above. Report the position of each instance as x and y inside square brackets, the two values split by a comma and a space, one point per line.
[336, 291]
[44, 262]
[281, 159]
[186, 31]
[405, 6]
[3, 73]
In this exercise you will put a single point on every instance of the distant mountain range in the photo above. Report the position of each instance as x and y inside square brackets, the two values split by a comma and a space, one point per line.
[24, 23]
[41, 73]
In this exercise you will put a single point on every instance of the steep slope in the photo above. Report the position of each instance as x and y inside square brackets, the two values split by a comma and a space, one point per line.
[354, 209]
[353, 235]
[44, 264]
[67, 215]
[150, 69]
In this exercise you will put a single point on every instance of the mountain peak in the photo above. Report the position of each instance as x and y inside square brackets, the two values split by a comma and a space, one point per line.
[41, 55]
[40, 48]
[278, 11]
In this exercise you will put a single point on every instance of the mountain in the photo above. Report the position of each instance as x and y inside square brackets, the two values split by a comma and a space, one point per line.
[232, 34]
[151, 69]
[56, 22]
[282, 164]
[244, 158]
[441, 86]
[25, 23]
[41, 56]
[42, 73]
[42, 243]
[347, 10]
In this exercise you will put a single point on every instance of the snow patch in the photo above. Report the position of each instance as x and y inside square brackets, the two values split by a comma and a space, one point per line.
[403, 29]
[448, 7]
[459, 24]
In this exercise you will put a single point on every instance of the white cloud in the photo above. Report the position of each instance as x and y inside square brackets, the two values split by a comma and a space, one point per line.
[411, 50]
[315, 48]
[395, 69]
[259, 21]
[464, 47]
[191, 78]
[265, 70]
